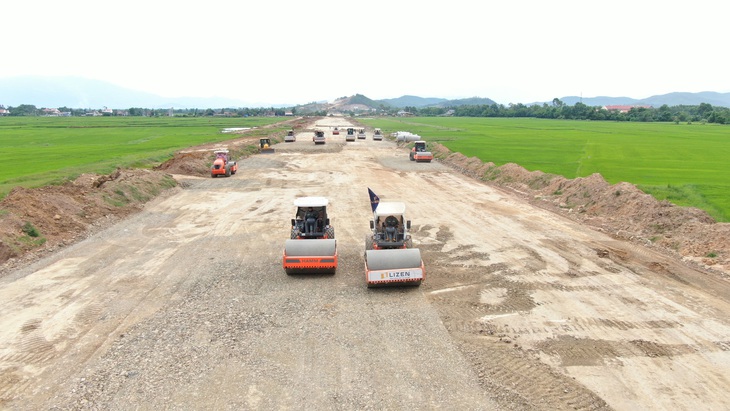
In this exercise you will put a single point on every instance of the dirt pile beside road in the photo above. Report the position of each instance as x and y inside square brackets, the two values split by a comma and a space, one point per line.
[196, 161]
[33, 221]
[36, 221]
[191, 163]
[621, 210]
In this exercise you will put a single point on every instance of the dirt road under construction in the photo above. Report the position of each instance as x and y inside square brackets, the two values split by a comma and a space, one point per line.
[185, 305]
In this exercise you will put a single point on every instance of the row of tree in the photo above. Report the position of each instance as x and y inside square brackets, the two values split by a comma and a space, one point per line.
[557, 110]
[31, 110]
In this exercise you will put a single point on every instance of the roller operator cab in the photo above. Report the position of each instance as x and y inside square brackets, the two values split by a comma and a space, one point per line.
[222, 164]
[290, 137]
[419, 153]
[319, 137]
[377, 134]
[311, 247]
[390, 258]
[350, 136]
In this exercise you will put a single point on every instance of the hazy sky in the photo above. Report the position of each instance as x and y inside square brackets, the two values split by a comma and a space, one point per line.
[298, 51]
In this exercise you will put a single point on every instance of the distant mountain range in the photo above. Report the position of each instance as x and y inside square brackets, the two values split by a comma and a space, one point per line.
[412, 101]
[419, 102]
[670, 99]
[76, 92]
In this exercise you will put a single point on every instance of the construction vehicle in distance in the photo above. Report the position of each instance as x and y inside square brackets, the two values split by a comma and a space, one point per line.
[319, 137]
[350, 134]
[223, 165]
[290, 137]
[361, 134]
[265, 146]
[390, 258]
[419, 152]
[312, 247]
[336, 131]
[377, 135]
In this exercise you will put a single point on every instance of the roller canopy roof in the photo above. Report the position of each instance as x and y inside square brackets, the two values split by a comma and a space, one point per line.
[390, 208]
[311, 202]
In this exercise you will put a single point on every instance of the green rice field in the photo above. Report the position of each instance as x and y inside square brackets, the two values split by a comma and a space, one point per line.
[36, 151]
[687, 164]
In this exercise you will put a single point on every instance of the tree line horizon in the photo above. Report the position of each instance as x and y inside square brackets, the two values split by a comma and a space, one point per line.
[557, 109]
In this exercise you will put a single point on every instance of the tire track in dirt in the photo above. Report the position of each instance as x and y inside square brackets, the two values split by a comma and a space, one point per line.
[466, 294]
[522, 378]
[562, 294]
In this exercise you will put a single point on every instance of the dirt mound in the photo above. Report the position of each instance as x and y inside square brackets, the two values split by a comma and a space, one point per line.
[41, 219]
[621, 210]
[196, 161]
[192, 163]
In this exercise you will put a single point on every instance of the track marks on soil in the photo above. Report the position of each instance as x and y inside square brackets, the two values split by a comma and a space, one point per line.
[468, 291]
[12, 382]
[540, 297]
[33, 350]
[573, 351]
[527, 383]
[540, 300]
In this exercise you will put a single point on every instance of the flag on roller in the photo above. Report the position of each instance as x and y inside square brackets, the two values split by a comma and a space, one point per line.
[374, 199]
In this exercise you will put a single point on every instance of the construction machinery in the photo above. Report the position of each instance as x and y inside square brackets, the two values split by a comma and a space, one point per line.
[377, 134]
[311, 247]
[265, 146]
[223, 165]
[350, 136]
[336, 131]
[390, 258]
[420, 153]
[319, 137]
[290, 137]
[361, 134]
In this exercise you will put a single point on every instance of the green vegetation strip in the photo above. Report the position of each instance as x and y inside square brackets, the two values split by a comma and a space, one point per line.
[687, 164]
[36, 151]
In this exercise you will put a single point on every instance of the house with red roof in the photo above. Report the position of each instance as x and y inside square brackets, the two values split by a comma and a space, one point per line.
[624, 108]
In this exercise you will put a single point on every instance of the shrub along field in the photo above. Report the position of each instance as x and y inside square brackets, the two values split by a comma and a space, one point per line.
[36, 151]
[687, 164]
